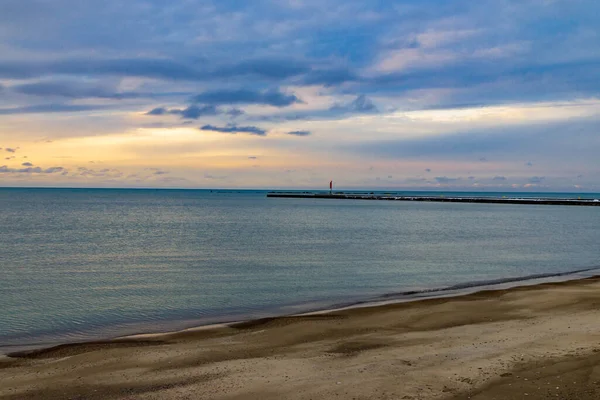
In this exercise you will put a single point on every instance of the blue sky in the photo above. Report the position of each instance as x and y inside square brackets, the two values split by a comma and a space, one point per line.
[488, 95]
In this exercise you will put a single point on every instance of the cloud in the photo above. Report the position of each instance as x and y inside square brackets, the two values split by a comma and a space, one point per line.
[235, 112]
[215, 177]
[253, 157]
[529, 164]
[427, 169]
[299, 133]
[361, 104]
[191, 112]
[499, 178]
[53, 170]
[73, 90]
[195, 112]
[155, 68]
[330, 77]
[158, 111]
[536, 179]
[138, 67]
[253, 130]
[10, 150]
[30, 170]
[27, 164]
[445, 180]
[243, 96]
[97, 173]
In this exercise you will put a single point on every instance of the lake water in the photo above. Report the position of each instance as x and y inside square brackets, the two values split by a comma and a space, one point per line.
[94, 263]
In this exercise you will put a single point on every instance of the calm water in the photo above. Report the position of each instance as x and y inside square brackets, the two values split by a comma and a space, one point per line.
[82, 264]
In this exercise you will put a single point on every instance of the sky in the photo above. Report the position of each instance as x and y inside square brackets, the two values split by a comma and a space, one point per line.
[426, 95]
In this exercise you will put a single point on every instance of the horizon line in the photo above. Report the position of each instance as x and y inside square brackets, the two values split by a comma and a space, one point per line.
[511, 190]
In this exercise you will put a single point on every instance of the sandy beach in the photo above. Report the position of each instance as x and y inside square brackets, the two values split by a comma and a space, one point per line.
[535, 342]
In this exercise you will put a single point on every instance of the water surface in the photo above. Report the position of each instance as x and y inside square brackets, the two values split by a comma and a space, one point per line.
[84, 264]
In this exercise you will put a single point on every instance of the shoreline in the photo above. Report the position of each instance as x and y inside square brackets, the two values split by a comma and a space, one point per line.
[409, 296]
[498, 343]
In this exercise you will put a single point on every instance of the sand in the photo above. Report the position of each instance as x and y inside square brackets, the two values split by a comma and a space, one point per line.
[534, 342]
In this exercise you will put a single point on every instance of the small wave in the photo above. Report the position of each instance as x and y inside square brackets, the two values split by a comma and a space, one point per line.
[490, 282]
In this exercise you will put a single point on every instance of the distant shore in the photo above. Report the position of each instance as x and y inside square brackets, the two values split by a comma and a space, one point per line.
[540, 340]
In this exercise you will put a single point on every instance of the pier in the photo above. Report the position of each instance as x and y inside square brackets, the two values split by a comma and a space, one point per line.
[432, 198]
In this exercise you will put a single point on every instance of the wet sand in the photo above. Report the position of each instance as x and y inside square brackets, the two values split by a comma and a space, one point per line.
[534, 342]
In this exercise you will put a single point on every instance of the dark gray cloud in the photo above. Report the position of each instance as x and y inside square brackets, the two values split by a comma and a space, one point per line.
[299, 133]
[536, 179]
[158, 111]
[499, 178]
[10, 150]
[329, 77]
[195, 112]
[295, 116]
[529, 164]
[243, 96]
[30, 170]
[253, 130]
[361, 104]
[139, 67]
[157, 68]
[27, 164]
[446, 180]
[191, 112]
[427, 169]
[53, 170]
[252, 157]
[72, 89]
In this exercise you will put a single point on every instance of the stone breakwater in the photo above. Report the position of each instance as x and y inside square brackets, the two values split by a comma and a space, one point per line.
[443, 199]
